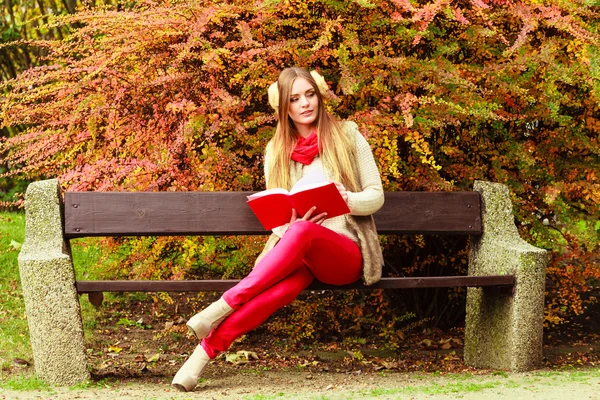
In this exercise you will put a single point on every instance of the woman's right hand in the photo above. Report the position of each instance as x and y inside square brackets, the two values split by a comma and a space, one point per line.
[317, 219]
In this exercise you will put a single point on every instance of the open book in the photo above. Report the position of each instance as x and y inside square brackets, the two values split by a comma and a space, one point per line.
[273, 207]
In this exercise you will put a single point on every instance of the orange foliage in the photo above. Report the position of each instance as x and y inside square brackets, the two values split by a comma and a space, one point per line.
[172, 96]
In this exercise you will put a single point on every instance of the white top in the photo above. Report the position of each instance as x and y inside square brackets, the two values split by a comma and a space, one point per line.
[365, 202]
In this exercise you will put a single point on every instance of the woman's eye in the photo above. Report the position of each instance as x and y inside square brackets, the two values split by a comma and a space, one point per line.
[293, 99]
[311, 94]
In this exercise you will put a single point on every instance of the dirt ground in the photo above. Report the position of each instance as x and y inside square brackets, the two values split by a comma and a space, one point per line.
[134, 353]
[254, 385]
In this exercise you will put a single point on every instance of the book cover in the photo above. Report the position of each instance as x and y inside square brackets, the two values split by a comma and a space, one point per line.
[273, 207]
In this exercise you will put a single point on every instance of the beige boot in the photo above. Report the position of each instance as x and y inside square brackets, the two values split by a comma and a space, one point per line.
[186, 378]
[208, 319]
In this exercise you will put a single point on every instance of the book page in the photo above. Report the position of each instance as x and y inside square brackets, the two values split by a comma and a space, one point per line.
[267, 192]
[310, 181]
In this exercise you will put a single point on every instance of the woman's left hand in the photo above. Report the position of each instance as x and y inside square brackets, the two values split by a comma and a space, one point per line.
[342, 191]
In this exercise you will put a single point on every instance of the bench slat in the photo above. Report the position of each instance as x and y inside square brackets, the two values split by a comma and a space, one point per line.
[225, 213]
[222, 285]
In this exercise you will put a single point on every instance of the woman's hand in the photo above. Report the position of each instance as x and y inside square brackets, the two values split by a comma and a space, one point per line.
[317, 219]
[342, 191]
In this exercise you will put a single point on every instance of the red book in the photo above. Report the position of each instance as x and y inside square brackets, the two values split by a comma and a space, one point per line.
[273, 207]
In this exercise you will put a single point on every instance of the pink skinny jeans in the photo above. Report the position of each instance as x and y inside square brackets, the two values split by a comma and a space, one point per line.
[305, 252]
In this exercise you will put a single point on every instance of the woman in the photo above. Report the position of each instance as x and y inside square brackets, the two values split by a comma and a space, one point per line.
[338, 250]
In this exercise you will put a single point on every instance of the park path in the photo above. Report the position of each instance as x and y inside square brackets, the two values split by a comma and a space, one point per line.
[263, 385]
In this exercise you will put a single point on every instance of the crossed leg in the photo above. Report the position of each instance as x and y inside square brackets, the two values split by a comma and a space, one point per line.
[305, 252]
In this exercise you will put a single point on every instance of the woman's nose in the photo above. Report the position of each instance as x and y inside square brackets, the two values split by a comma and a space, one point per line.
[303, 101]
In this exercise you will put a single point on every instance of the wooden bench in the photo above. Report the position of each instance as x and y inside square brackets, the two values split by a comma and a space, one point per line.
[505, 281]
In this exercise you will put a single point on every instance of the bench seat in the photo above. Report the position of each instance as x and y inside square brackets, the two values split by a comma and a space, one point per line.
[505, 295]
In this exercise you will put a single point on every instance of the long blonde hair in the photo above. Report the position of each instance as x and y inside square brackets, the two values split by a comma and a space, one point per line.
[336, 149]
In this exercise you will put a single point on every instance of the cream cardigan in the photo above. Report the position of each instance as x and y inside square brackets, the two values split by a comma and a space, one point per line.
[358, 225]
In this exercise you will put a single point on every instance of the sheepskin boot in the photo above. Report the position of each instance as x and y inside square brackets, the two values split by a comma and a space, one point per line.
[208, 319]
[186, 378]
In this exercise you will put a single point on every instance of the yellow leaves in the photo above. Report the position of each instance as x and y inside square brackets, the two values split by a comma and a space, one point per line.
[185, 106]
[153, 358]
[241, 357]
[114, 349]
[166, 298]
[579, 49]
[326, 36]
[550, 195]
[213, 59]
[389, 157]
[421, 146]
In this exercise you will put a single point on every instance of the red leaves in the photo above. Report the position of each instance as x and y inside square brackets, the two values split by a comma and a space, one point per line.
[173, 97]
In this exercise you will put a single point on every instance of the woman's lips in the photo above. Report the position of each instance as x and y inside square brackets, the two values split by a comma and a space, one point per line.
[307, 113]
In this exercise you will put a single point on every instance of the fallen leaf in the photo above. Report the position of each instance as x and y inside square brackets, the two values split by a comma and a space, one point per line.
[241, 357]
[20, 362]
[250, 355]
[427, 343]
[114, 349]
[389, 364]
[154, 358]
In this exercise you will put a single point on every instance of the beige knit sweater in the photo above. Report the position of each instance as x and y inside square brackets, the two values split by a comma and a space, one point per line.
[359, 225]
[366, 202]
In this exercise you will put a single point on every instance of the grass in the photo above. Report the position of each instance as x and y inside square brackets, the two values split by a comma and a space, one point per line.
[436, 388]
[14, 332]
[456, 385]
[25, 382]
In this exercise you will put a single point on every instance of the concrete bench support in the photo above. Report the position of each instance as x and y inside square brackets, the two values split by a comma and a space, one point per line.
[48, 282]
[504, 331]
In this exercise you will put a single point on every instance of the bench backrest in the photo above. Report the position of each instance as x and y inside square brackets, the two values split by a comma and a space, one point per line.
[226, 213]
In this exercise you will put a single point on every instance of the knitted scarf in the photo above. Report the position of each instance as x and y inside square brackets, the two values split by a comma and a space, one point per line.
[306, 149]
[363, 226]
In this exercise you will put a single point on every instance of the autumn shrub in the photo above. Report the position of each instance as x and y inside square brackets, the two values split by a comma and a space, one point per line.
[172, 96]
[343, 317]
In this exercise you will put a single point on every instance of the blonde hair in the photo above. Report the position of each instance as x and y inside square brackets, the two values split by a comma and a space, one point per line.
[336, 148]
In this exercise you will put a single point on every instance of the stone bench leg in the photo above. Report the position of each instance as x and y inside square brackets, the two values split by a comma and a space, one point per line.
[48, 282]
[504, 330]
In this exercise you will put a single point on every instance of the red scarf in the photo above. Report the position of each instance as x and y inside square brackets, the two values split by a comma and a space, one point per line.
[306, 149]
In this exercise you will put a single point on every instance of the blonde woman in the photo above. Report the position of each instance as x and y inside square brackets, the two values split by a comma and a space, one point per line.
[337, 251]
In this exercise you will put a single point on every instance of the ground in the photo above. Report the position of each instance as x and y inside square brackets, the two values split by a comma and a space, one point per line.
[251, 385]
[134, 351]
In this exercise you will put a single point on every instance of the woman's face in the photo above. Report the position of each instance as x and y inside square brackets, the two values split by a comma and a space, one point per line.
[304, 104]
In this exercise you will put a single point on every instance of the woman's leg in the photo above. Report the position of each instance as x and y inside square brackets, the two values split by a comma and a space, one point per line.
[242, 320]
[331, 257]
[326, 255]
[256, 311]
[306, 250]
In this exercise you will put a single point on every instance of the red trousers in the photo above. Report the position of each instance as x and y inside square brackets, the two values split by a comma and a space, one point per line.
[305, 252]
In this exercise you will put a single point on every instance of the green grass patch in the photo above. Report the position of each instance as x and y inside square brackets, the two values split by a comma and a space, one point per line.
[87, 254]
[583, 375]
[25, 382]
[14, 334]
[435, 388]
[263, 397]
